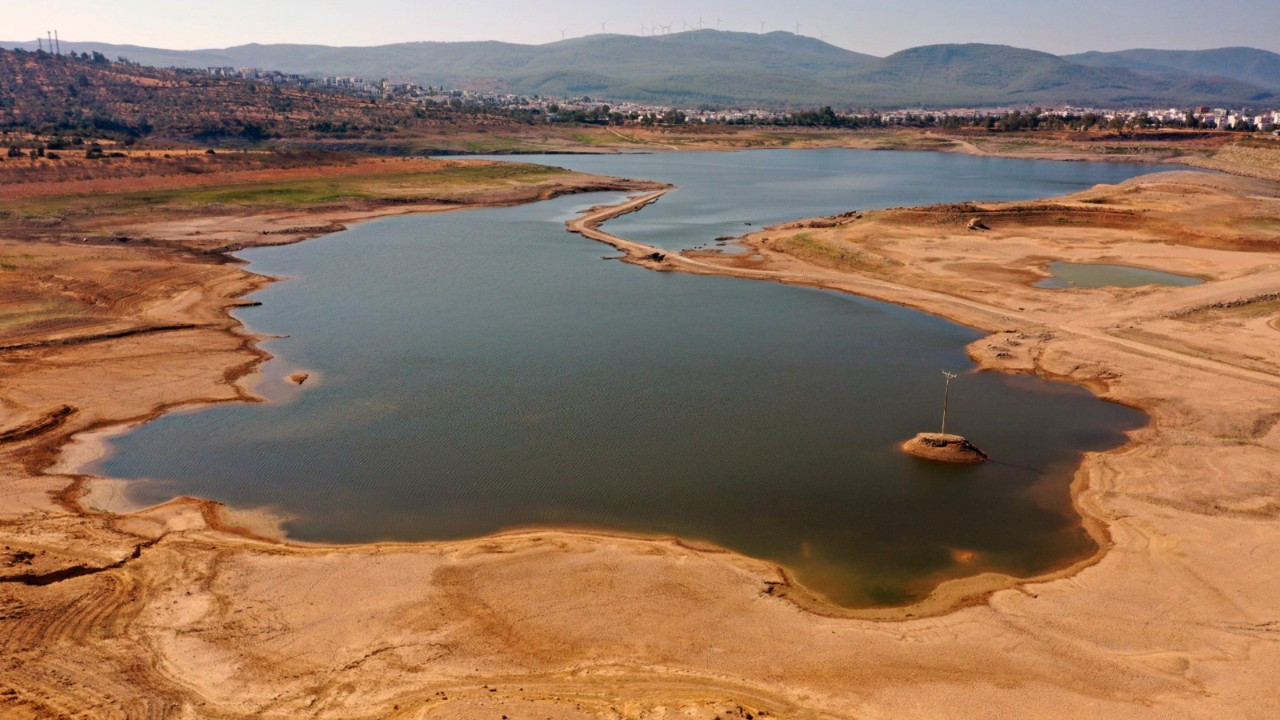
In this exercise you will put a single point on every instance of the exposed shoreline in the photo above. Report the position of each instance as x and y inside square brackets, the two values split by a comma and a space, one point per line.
[267, 524]
[950, 594]
[187, 528]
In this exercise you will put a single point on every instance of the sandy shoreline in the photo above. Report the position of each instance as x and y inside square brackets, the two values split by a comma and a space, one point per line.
[1150, 626]
[950, 594]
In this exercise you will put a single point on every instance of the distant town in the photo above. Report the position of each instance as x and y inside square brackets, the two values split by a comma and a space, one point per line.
[605, 112]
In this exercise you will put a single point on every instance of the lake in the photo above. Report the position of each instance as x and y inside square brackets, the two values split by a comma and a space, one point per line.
[486, 370]
[718, 193]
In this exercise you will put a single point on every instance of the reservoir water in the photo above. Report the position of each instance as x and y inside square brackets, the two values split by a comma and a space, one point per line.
[718, 193]
[485, 370]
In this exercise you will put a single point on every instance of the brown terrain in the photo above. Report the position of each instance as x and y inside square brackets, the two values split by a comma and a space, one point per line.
[67, 96]
[113, 309]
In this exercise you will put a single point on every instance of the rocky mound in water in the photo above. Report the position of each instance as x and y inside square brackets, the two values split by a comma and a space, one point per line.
[944, 448]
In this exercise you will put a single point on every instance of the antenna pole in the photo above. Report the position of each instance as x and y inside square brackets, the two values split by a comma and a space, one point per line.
[57, 43]
[946, 397]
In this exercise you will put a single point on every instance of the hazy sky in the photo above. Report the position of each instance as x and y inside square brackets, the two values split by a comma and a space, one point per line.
[879, 28]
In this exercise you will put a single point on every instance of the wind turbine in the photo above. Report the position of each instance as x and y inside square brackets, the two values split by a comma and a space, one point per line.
[562, 31]
[699, 22]
[797, 27]
[761, 27]
[603, 23]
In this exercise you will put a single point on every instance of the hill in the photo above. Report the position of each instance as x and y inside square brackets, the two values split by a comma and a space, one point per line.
[690, 67]
[87, 97]
[1247, 65]
[153, 57]
[976, 74]
[778, 68]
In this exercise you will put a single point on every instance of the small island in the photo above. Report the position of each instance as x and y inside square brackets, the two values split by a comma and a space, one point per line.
[944, 447]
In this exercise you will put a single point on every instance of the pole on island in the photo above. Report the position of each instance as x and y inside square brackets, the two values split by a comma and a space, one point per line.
[941, 447]
[946, 397]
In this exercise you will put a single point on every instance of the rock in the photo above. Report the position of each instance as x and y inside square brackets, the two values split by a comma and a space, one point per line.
[944, 448]
[298, 378]
[977, 224]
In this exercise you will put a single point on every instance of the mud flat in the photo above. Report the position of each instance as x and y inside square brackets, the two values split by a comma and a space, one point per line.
[178, 610]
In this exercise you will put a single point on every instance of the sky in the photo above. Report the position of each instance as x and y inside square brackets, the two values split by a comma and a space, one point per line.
[878, 28]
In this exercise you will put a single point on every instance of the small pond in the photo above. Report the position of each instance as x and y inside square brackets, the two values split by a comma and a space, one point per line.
[1089, 275]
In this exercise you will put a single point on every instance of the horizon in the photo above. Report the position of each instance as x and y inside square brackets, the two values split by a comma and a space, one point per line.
[1091, 25]
[8, 44]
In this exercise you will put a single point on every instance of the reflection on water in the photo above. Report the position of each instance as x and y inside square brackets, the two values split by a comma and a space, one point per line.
[486, 370]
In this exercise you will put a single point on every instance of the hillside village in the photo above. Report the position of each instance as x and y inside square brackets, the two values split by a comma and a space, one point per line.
[621, 112]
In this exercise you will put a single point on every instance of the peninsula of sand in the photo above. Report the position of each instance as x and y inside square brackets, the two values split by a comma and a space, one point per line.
[190, 609]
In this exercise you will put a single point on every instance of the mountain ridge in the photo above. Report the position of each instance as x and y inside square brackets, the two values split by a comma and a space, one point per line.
[1246, 64]
[771, 69]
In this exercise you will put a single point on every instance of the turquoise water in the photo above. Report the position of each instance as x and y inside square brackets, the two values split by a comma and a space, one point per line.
[485, 370]
[1088, 275]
